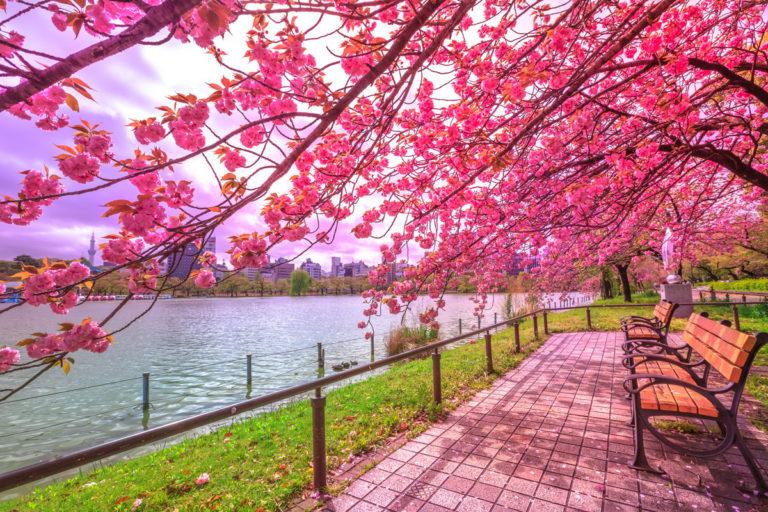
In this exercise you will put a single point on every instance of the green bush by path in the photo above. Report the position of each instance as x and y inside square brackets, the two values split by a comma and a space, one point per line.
[742, 285]
[263, 463]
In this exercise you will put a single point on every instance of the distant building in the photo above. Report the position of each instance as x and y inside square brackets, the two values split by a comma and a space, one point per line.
[355, 269]
[181, 263]
[219, 270]
[251, 273]
[523, 263]
[314, 270]
[396, 271]
[282, 269]
[92, 250]
[337, 269]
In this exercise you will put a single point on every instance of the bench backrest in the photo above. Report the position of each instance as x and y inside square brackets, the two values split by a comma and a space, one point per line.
[727, 350]
[663, 312]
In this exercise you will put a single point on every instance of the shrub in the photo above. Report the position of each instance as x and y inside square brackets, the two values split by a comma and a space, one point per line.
[406, 338]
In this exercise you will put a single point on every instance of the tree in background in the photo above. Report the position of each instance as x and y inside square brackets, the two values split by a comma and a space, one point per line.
[300, 282]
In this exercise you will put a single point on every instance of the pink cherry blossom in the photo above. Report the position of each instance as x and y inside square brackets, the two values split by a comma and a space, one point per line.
[121, 250]
[233, 160]
[205, 279]
[81, 168]
[149, 133]
[8, 357]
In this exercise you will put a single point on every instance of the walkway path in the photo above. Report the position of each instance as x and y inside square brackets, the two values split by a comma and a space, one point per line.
[551, 435]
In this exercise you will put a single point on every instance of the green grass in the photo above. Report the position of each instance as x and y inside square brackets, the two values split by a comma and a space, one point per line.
[677, 426]
[742, 285]
[263, 463]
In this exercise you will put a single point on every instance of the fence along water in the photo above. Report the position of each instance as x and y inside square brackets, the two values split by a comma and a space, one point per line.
[78, 458]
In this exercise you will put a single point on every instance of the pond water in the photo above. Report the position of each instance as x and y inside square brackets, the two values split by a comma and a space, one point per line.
[195, 351]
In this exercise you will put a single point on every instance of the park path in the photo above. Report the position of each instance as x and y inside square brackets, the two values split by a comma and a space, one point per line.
[550, 435]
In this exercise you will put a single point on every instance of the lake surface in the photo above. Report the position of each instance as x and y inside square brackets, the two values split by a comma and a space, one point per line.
[195, 351]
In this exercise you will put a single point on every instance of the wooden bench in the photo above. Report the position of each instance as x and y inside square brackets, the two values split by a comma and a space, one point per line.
[660, 385]
[641, 332]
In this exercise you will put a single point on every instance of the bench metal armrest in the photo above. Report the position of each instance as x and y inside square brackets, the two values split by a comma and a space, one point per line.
[628, 361]
[630, 345]
[629, 318]
[655, 379]
[640, 321]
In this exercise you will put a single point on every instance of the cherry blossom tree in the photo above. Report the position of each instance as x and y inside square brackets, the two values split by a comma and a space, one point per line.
[471, 132]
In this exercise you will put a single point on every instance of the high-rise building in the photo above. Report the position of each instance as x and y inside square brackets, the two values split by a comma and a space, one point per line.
[355, 269]
[181, 263]
[250, 273]
[92, 250]
[396, 271]
[313, 269]
[337, 269]
[282, 269]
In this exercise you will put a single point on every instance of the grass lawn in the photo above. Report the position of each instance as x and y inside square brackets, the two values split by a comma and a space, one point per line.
[263, 463]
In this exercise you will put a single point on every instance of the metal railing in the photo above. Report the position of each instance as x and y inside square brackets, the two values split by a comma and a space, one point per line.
[78, 458]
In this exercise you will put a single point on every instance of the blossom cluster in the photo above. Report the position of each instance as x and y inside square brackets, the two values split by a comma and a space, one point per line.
[8, 357]
[45, 107]
[87, 335]
[48, 286]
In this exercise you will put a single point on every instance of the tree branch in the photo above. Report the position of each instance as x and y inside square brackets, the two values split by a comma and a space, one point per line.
[155, 20]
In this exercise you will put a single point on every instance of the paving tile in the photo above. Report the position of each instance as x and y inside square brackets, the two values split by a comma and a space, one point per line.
[446, 498]
[471, 504]
[485, 491]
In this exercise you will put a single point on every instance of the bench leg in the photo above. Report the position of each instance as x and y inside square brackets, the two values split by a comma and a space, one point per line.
[640, 461]
[762, 487]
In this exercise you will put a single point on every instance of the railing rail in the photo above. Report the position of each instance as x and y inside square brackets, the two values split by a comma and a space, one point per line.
[33, 472]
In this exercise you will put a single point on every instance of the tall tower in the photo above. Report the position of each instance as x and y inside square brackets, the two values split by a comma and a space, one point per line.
[92, 250]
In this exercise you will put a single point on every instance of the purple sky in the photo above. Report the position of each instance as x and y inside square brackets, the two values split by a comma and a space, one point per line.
[127, 86]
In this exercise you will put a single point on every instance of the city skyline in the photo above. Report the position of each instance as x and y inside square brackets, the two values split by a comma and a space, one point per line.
[81, 249]
[180, 264]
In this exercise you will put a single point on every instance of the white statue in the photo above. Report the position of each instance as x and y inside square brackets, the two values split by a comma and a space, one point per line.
[667, 256]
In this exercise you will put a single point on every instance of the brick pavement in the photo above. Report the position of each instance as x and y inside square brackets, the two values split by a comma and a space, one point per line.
[550, 435]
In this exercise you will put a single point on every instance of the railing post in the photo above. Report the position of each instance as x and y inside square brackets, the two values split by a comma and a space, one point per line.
[517, 337]
[589, 319]
[459, 325]
[535, 326]
[495, 318]
[488, 353]
[712, 294]
[145, 391]
[373, 355]
[478, 321]
[248, 371]
[437, 383]
[744, 299]
[701, 296]
[546, 323]
[318, 441]
[736, 323]
[320, 360]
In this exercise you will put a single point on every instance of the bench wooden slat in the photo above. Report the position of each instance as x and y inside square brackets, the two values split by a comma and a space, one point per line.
[639, 332]
[726, 350]
[665, 397]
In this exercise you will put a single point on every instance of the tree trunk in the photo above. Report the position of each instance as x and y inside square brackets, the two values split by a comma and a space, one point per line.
[606, 288]
[624, 277]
